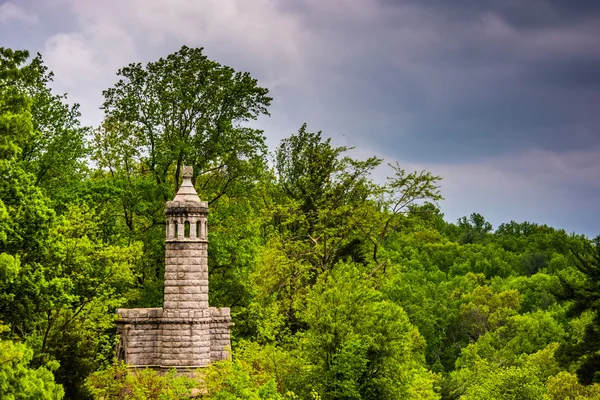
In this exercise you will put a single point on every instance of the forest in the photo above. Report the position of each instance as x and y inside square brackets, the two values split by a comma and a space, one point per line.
[340, 286]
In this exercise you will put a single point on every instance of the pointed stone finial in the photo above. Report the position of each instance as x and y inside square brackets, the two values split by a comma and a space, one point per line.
[186, 193]
[187, 172]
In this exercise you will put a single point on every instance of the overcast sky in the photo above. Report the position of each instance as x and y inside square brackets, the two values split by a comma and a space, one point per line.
[501, 98]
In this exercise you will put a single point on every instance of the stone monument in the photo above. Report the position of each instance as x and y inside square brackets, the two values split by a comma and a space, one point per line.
[186, 333]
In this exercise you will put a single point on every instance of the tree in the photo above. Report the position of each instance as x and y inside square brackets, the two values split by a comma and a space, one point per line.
[474, 229]
[584, 292]
[400, 196]
[329, 184]
[62, 280]
[184, 109]
[51, 146]
[360, 345]
[25, 208]
[564, 386]
[312, 171]
[224, 380]
[63, 304]
[119, 382]
[480, 378]
[313, 209]
[56, 155]
[486, 310]
[329, 190]
[18, 381]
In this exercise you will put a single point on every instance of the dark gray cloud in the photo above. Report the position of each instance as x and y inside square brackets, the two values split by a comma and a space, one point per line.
[499, 97]
[474, 78]
[533, 14]
[482, 93]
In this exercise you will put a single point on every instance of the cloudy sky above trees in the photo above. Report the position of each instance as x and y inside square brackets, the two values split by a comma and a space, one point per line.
[501, 98]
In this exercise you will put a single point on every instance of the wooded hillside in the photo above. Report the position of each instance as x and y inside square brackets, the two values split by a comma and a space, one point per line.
[341, 287]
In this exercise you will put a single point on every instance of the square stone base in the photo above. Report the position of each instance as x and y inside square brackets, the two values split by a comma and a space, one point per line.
[153, 338]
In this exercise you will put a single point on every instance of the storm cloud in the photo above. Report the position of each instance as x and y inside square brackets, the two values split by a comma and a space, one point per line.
[499, 97]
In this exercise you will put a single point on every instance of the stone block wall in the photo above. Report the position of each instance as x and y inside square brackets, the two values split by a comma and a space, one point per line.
[140, 330]
[163, 339]
[186, 276]
[185, 338]
[220, 340]
[185, 344]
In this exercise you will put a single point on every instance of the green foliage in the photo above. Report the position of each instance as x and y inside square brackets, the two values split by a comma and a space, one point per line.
[358, 344]
[399, 196]
[63, 305]
[184, 108]
[485, 310]
[324, 209]
[282, 362]
[480, 378]
[584, 291]
[228, 380]
[223, 381]
[325, 190]
[340, 287]
[564, 386]
[118, 382]
[434, 306]
[55, 153]
[474, 229]
[24, 212]
[537, 291]
[18, 381]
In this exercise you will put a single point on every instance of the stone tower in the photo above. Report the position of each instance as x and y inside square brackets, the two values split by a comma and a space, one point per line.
[186, 333]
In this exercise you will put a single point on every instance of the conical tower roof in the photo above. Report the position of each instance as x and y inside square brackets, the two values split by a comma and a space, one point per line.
[186, 192]
[186, 197]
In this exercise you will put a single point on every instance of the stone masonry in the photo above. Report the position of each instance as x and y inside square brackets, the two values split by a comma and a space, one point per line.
[186, 333]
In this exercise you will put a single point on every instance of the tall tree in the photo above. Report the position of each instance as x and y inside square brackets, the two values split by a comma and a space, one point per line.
[328, 188]
[585, 296]
[53, 150]
[184, 108]
[26, 211]
[361, 345]
[60, 278]
[400, 196]
[57, 153]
